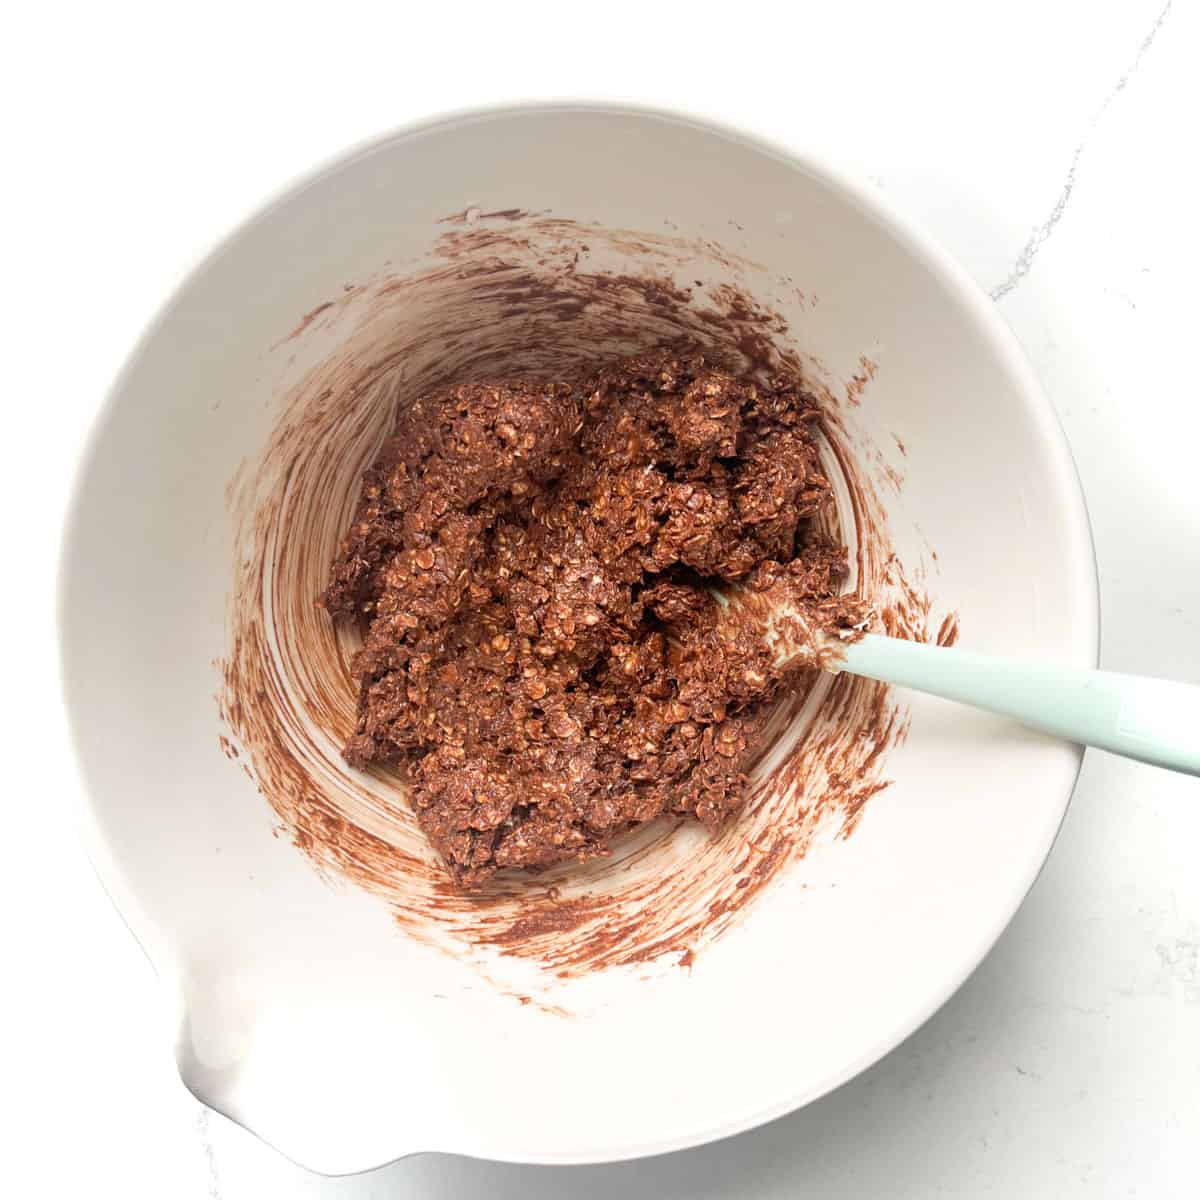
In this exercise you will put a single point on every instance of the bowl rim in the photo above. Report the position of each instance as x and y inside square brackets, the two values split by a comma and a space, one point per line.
[966, 293]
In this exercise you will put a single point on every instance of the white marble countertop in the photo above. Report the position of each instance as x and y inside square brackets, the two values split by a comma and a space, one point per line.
[1046, 144]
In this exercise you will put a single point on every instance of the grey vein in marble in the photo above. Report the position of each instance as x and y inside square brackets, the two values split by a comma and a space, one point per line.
[1025, 259]
[210, 1154]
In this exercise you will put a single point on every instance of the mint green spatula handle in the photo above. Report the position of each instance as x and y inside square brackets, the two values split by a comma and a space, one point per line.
[1153, 720]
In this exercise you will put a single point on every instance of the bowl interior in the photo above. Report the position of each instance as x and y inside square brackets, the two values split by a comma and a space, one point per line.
[307, 1007]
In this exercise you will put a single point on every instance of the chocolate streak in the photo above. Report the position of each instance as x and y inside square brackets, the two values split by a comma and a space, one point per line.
[535, 296]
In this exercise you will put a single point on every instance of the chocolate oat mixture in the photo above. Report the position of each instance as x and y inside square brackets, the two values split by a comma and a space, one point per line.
[532, 565]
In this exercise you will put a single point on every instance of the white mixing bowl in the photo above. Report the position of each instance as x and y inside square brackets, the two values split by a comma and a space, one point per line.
[322, 1014]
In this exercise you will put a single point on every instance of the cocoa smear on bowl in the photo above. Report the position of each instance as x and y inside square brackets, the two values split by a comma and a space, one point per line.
[510, 294]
